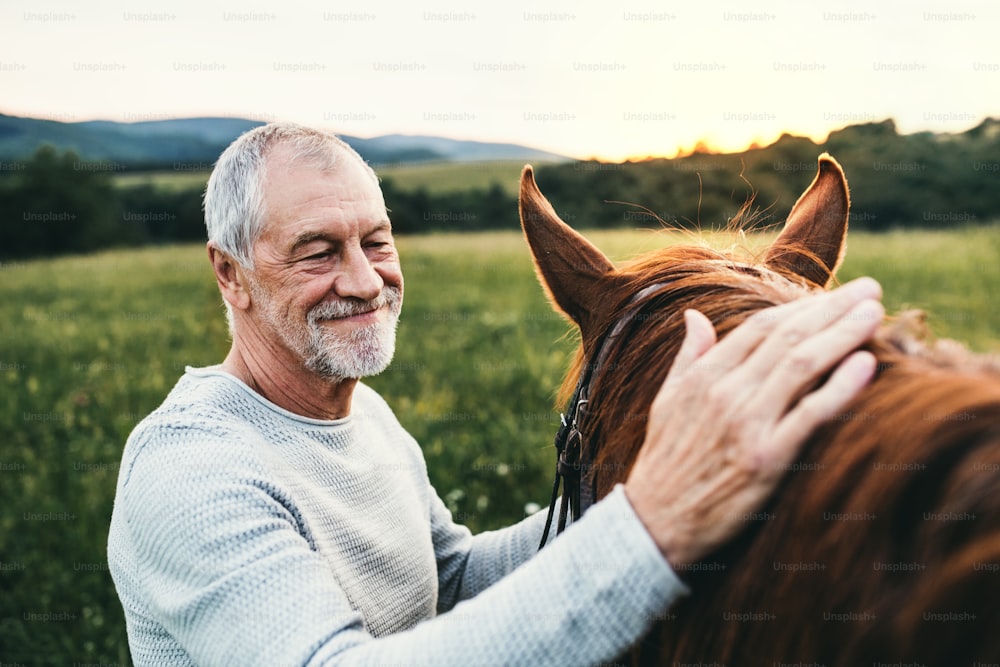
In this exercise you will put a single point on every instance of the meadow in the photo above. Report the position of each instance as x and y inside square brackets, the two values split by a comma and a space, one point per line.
[435, 177]
[90, 344]
[444, 177]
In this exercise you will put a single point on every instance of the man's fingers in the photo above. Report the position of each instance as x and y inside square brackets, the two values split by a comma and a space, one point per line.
[849, 378]
[765, 338]
[816, 316]
[699, 337]
[794, 372]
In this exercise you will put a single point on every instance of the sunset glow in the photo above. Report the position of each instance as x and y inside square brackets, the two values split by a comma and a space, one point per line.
[608, 80]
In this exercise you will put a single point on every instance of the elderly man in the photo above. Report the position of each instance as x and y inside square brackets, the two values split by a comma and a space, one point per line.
[273, 511]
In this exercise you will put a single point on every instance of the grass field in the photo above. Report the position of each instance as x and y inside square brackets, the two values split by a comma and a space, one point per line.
[166, 180]
[435, 177]
[441, 177]
[91, 344]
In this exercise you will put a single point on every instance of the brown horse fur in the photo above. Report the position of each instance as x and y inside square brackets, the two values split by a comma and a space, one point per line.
[882, 543]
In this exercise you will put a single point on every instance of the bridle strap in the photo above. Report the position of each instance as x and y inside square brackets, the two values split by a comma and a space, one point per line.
[567, 465]
[574, 467]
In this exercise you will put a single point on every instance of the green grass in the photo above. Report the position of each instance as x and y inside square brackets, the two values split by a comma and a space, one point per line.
[92, 344]
[447, 177]
[954, 277]
[435, 177]
[169, 180]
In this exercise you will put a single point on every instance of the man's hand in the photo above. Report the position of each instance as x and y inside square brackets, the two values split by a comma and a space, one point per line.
[731, 416]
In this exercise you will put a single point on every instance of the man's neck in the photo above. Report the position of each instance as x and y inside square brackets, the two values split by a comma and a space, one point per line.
[283, 380]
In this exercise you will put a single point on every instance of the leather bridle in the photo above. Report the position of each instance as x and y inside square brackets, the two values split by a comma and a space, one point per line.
[574, 453]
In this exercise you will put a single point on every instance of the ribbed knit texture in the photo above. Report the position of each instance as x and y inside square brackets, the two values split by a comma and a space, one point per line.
[243, 534]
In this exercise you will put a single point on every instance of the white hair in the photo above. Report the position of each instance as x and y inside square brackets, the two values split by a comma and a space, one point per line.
[235, 209]
[234, 199]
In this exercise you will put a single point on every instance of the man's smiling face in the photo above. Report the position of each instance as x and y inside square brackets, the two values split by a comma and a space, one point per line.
[326, 283]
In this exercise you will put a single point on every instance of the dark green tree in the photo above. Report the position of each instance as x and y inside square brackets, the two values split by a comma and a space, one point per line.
[56, 204]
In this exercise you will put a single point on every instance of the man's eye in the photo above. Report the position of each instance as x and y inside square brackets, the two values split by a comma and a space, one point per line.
[318, 256]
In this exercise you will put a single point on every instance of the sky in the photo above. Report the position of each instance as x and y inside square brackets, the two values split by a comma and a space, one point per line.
[606, 79]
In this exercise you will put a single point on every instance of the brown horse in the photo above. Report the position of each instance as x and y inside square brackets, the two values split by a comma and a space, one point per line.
[882, 543]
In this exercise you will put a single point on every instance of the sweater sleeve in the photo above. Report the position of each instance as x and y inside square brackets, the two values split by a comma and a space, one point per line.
[583, 600]
[224, 566]
[469, 564]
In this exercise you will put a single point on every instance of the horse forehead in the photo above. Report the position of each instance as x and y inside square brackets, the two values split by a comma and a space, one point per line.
[751, 271]
[743, 267]
[730, 272]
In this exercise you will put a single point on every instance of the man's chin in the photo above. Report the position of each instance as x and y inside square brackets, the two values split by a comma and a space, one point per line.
[337, 369]
[337, 376]
[337, 354]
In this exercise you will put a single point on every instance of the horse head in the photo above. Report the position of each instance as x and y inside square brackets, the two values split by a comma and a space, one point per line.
[882, 543]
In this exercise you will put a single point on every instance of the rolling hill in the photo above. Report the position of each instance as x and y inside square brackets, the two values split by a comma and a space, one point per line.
[160, 143]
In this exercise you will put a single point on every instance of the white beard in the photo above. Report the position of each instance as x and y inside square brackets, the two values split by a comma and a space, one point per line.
[336, 357]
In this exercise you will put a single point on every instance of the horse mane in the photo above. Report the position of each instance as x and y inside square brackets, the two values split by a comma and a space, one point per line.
[882, 543]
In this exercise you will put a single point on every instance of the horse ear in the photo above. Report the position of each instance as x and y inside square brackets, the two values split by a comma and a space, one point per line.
[813, 241]
[569, 266]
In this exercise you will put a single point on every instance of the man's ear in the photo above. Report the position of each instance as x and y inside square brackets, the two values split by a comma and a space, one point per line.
[230, 277]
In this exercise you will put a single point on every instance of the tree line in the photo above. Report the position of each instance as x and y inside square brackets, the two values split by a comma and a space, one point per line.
[896, 181]
[53, 204]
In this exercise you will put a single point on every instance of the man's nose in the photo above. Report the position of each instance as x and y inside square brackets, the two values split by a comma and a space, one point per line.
[358, 278]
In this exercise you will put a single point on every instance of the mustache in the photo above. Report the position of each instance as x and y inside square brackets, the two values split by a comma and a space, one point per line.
[332, 310]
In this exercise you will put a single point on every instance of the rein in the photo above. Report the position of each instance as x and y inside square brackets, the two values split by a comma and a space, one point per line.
[574, 454]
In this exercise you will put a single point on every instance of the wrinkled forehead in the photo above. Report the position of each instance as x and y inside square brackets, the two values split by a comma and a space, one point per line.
[335, 170]
[303, 196]
[327, 156]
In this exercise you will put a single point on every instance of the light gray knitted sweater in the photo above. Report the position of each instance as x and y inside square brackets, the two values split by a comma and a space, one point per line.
[243, 534]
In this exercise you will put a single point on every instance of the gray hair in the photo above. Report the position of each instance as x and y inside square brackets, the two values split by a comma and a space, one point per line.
[234, 199]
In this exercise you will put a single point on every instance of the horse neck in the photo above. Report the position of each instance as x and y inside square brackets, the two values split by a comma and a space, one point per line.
[892, 511]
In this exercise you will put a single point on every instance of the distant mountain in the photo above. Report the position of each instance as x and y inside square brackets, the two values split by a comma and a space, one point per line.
[129, 144]
[382, 149]
[212, 130]
[157, 143]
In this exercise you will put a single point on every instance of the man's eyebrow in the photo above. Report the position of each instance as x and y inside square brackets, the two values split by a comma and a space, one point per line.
[308, 237]
[383, 226]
